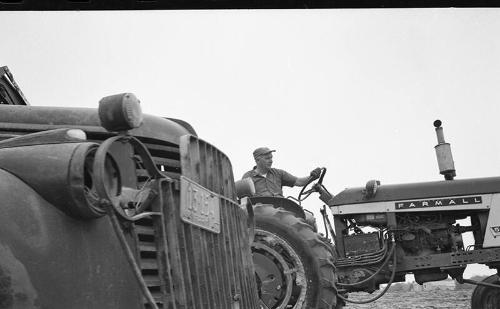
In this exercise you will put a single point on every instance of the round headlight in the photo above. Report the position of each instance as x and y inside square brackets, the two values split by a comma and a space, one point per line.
[120, 112]
[111, 181]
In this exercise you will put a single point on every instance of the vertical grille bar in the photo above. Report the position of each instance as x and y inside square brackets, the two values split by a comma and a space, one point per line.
[239, 256]
[234, 232]
[209, 261]
[183, 236]
[181, 292]
[247, 260]
[194, 259]
[195, 172]
[149, 263]
[232, 246]
[164, 255]
[224, 239]
[234, 288]
[214, 245]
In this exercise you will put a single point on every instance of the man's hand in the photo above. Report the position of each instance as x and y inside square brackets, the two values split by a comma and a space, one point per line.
[315, 173]
[300, 182]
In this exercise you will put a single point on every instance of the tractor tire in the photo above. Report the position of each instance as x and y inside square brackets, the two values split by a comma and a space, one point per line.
[485, 297]
[294, 268]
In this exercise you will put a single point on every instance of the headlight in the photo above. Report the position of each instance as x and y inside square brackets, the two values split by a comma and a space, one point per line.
[107, 179]
[111, 181]
[120, 112]
[62, 174]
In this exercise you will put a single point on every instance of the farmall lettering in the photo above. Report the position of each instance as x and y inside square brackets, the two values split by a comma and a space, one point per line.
[439, 202]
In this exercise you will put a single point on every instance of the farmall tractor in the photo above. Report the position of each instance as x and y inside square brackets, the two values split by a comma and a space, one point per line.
[383, 232]
[379, 234]
[111, 209]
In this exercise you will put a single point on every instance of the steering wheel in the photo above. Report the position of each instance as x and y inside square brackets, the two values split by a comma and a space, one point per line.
[308, 192]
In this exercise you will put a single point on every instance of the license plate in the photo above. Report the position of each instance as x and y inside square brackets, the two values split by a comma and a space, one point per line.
[199, 206]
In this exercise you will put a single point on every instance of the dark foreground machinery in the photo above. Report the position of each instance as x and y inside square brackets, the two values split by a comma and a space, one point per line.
[109, 208]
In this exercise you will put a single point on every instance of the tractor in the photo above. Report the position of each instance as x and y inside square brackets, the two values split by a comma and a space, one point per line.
[379, 234]
[383, 232]
[109, 208]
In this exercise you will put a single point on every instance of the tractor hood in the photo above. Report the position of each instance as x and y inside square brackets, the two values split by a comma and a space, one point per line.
[422, 190]
[18, 118]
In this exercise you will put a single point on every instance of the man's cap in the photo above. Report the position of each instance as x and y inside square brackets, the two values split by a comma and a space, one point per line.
[261, 151]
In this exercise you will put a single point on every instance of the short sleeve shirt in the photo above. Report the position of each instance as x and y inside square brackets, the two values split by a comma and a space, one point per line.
[271, 184]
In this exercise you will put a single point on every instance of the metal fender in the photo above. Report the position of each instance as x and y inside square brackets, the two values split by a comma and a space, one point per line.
[16, 289]
[51, 260]
[280, 202]
[56, 172]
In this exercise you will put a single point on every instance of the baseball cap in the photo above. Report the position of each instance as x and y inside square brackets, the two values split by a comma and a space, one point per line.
[261, 151]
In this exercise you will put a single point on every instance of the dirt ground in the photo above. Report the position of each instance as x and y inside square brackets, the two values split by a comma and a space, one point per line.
[436, 299]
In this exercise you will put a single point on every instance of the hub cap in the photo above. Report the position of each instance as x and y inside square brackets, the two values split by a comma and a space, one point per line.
[279, 271]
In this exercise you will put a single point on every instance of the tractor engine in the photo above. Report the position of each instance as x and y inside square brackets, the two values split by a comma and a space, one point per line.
[364, 241]
[416, 235]
[423, 234]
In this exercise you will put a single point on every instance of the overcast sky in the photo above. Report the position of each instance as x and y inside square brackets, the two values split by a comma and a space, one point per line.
[355, 91]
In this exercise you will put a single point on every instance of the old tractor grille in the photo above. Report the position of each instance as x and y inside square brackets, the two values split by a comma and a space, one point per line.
[185, 266]
[146, 238]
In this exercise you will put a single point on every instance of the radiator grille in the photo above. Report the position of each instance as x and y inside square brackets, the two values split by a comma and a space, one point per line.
[212, 270]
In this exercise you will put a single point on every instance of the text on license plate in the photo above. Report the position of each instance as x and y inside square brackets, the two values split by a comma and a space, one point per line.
[199, 206]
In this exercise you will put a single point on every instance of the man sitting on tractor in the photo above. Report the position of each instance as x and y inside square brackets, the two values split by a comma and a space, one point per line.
[268, 181]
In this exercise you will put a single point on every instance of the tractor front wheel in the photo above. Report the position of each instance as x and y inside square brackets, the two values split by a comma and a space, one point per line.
[485, 297]
[294, 267]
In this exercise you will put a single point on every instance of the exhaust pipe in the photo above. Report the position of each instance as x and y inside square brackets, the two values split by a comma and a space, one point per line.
[443, 154]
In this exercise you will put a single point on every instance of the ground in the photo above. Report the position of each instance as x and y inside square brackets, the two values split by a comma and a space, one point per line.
[436, 299]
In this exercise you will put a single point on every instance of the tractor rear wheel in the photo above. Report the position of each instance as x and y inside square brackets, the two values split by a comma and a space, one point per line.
[485, 297]
[294, 268]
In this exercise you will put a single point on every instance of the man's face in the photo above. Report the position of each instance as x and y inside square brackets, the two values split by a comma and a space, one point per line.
[265, 161]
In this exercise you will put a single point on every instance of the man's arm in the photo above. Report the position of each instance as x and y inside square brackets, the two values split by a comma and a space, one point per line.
[302, 181]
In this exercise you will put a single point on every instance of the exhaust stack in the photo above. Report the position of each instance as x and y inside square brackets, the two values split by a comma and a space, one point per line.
[443, 154]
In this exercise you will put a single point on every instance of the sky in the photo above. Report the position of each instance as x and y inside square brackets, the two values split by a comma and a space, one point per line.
[355, 91]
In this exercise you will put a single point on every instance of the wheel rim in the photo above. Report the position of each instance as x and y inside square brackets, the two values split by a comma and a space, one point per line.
[279, 270]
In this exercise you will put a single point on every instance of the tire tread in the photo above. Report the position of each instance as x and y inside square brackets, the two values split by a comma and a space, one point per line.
[266, 215]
